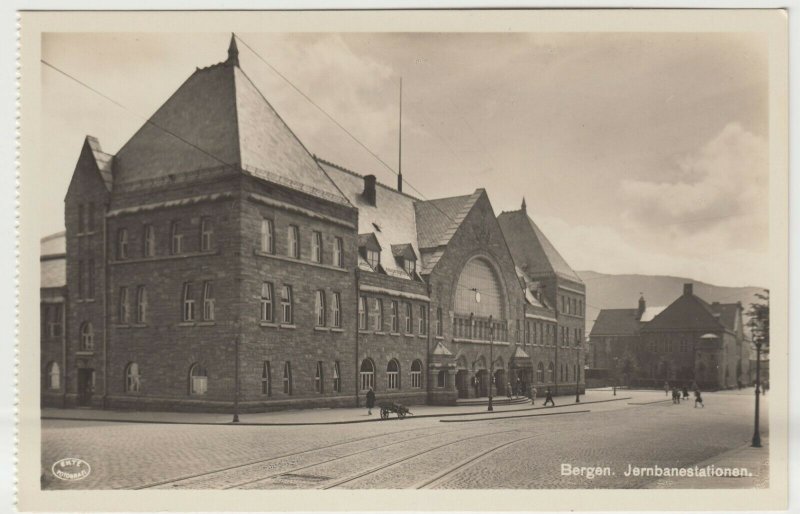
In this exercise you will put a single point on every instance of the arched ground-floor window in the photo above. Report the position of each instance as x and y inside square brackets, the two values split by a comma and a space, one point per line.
[53, 374]
[367, 374]
[416, 374]
[198, 380]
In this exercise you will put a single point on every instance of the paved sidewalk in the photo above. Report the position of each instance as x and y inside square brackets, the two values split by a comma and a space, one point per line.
[754, 460]
[324, 416]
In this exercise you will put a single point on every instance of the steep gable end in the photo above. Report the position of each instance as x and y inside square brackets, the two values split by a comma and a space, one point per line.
[688, 312]
[93, 169]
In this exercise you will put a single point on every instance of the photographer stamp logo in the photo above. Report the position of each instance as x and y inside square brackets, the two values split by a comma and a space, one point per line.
[71, 469]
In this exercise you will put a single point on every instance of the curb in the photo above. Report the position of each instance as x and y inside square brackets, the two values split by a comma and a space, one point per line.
[513, 417]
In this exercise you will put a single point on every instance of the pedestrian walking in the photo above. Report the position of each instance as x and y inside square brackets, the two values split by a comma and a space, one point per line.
[666, 388]
[533, 395]
[509, 392]
[548, 398]
[519, 387]
[370, 401]
[698, 398]
[685, 393]
[476, 384]
[676, 396]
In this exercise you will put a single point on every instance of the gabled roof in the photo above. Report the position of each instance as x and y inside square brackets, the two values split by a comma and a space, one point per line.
[687, 312]
[531, 249]
[218, 119]
[651, 312]
[616, 322]
[728, 314]
[438, 220]
[104, 161]
[391, 220]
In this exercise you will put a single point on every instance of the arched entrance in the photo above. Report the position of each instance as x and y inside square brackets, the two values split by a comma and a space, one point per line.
[500, 382]
[462, 377]
[482, 382]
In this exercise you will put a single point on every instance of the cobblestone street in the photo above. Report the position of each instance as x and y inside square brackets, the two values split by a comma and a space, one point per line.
[525, 448]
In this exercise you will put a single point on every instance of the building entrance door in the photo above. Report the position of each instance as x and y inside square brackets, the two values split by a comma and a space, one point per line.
[483, 381]
[85, 386]
[462, 383]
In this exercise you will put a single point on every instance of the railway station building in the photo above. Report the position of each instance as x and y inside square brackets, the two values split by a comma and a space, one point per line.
[214, 264]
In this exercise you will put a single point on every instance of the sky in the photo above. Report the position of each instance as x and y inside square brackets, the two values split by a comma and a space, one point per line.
[636, 152]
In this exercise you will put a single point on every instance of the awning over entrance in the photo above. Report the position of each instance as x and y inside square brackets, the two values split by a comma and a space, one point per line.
[521, 359]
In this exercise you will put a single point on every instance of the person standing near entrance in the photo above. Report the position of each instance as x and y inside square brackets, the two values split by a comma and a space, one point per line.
[519, 387]
[476, 383]
[548, 398]
[370, 401]
[666, 388]
[533, 395]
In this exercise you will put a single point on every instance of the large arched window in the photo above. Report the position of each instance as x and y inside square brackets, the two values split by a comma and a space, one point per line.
[393, 375]
[416, 374]
[87, 336]
[367, 374]
[132, 383]
[550, 372]
[479, 276]
[198, 380]
[53, 374]
[287, 377]
[540, 373]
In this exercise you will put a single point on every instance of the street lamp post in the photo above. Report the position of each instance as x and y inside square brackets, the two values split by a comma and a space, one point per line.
[756, 432]
[491, 361]
[578, 375]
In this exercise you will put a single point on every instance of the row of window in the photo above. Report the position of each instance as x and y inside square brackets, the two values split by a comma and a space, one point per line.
[668, 346]
[176, 239]
[371, 316]
[52, 320]
[572, 306]
[563, 373]
[293, 248]
[366, 375]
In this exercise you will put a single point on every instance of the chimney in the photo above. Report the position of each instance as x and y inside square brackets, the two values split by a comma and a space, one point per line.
[369, 189]
[400, 181]
[687, 289]
[642, 306]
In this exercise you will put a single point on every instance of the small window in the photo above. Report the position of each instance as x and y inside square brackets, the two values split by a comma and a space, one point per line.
[188, 302]
[540, 373]
[87, 336]
[81, 219]
[395, 317]
[439, 322]
[393, 375]
[149, 241]
[293, 242]
[90, 279]
[122, 244]
[54, 315]
[316, 246]
[319, 306]
[90, 218]
[423, 320]
[337, 378]
[319, 379]
[287, 377]
[208, 301]
[367, 374]
[337, 310]
[441, 379]
[132, 379]
[267, 236]
[684, 346]
[266, 379]
[410, 266]
[267, 305]
[53, 374]
[123, 312]
[176, 238]
[286, 304]
[409, 319]
[416, 374]
[377, 315]
[141, 304]
[206, 234]
[362, 313]
[374, 259]
[338, 252]
[198, 380]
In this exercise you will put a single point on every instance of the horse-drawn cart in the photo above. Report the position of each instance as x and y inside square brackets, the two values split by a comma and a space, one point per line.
[392, 407]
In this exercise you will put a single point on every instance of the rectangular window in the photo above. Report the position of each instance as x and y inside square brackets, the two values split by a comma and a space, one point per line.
[267, 305]
[188, 302]
[423, 320]
[266, 379]
[441, 379]
[319, 306]
[81, 219]
[338, 252]
[684, 346]
[409, 319]
[394, 317]
[206, 234]
[176, 238]
[392, 378]
[80, 279]
[287, 377]
[337, 378]
[377, 315]
[316, 246]
[267, 236]
[53, 314]
[208, 301]
[90, 218]
[318, 379]
[362, 313]
[90, 279]
[654, 346]
[337, 310]
[149, 241]
[416, 375]
[410, 266]
[374, 258]
[122, 244]
[122, 316]
[141, 304]
[293, 242]
[439, 322]
[286, 304]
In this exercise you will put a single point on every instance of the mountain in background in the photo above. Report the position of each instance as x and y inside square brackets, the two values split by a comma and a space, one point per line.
[622, 292]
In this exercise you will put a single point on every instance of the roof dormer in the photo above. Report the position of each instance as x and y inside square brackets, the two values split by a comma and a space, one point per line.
[370, 250]
[406, 258]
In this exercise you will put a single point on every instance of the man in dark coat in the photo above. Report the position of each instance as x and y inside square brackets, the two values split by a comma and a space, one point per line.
[370, 401]
[548, 398]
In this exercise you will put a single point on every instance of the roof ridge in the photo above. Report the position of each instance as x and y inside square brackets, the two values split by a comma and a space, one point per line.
[54, 235]
[359, 175]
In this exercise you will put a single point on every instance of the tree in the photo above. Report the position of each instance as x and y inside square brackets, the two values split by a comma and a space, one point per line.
[759, 317]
